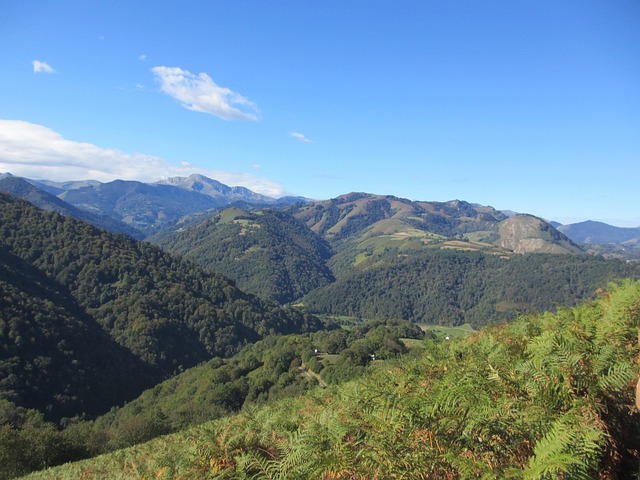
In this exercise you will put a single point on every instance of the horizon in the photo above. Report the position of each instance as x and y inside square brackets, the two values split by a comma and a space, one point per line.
[533, 108]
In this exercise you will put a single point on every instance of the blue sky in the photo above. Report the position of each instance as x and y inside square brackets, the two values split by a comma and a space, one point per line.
[521, 105]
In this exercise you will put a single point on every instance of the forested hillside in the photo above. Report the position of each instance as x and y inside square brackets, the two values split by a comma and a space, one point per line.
[545, 397]
[53, 356]
[449, 287]
[166, 312]
[267, 252]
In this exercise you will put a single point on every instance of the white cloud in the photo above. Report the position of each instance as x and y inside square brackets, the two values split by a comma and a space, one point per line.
[256, 166]
[202, 94]
[37, 152]
[142, 57]
[42, 67]
[300, 137]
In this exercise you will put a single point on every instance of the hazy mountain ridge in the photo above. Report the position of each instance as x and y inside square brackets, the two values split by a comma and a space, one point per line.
[43, 198]
[147, 207]
[213, 188]
[599, 233]
[142, 209]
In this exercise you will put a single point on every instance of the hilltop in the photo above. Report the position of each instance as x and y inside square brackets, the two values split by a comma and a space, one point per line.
[136, 208]
[267, 252]
[43, 198]
[145, 209]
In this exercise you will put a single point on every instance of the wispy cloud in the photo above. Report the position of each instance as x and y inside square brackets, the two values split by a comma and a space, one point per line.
[202, 94]
[42, 67]
[142, 57]
[37, 152]
[300, 137]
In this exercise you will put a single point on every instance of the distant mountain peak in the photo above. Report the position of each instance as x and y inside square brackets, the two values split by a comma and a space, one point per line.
[195, 178]
[213, 188]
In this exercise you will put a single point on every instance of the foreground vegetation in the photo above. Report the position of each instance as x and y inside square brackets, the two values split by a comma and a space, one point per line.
[271, 369]
[547, 396]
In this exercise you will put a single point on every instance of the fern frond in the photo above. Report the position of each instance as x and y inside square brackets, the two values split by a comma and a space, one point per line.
[618, 376]
[571, 446]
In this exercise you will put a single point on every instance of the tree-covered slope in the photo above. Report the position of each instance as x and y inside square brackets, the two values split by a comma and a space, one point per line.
[268, 370]
[167, 312]
[267, 252]
[282, 366]
[449, 287]
[549, 396]
[53, 356]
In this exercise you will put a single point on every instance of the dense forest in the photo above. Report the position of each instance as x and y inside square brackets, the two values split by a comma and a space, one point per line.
[267, 252]
[165, 312]
[449, 287]
[547, 396]
[53, 356]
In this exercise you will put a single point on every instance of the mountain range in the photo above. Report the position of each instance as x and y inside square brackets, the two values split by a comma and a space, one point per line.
[143, 209]
[135, 208]
[109, 289]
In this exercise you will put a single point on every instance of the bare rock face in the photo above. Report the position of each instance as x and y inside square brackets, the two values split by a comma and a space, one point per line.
[529, 234]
